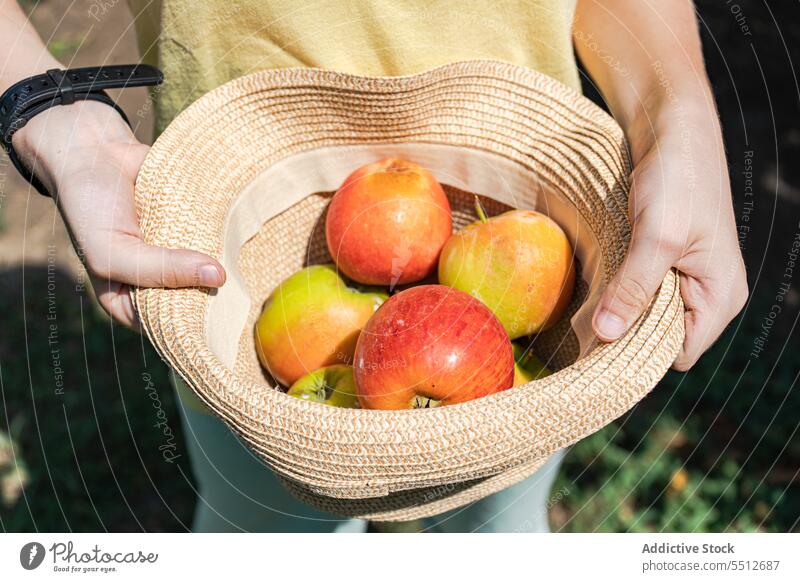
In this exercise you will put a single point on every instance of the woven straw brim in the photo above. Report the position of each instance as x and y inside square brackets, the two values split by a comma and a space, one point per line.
[384, 464]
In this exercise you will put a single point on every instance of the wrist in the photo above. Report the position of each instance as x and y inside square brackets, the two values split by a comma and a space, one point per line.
[668, 114]
[67, 137]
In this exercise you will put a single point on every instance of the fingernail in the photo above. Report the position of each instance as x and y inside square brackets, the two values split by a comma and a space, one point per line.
[210, 276]
[610, 326]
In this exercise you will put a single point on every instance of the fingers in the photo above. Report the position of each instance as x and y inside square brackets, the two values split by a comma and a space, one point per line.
[713, 292]
[129, 260]
[147, 266]
[116, 300]
[97, 203]
[95, 193]
[711, 303]
[632, 288]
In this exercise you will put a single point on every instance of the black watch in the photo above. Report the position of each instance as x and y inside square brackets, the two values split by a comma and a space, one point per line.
[29, 97]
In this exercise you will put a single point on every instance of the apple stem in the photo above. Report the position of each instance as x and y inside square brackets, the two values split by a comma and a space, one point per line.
[479, 210]
[420, 401]
[324, 388]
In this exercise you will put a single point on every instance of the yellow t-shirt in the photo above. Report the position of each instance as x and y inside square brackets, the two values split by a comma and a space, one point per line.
[201, 44]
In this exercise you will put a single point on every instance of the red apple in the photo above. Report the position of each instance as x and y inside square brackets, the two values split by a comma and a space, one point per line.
[431, 345]
[387, 223]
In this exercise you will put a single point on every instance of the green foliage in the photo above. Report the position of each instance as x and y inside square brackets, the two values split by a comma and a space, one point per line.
[715, 449]
[91, 454]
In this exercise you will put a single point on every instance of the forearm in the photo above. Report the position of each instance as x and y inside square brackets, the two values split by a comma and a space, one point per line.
[647, 60]
[22, 52]
[59, 135]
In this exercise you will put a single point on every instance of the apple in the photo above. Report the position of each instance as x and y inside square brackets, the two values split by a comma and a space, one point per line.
[428, 346]
[520, 264]
[387, 223]
[311, 320]
[527, 367]
[331, 385]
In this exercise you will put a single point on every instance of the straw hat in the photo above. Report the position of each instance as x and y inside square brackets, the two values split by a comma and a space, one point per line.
[245, 175]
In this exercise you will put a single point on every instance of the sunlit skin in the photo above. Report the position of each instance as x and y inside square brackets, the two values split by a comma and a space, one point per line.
[387, 223]
[428, 346]
[527, 367]
[311, 320]
[331, 385]
[520, 264]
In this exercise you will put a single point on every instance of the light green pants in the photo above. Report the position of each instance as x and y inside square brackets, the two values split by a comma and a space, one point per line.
[237, 492]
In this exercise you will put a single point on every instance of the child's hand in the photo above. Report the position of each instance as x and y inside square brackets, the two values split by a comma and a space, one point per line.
[87, 154]
[680, 208]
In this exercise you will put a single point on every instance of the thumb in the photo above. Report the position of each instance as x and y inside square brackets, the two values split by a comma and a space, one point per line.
[130, 260]
[632, 288]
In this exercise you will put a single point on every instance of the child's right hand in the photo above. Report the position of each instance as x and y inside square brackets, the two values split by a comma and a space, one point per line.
[89, 157]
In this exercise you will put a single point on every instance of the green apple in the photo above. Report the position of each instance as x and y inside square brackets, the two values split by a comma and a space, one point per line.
[331, 385]
[527, 367]
[312, 319]
[519, 264]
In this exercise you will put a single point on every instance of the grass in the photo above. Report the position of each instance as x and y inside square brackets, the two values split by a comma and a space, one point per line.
[711, 450]
[90, 456]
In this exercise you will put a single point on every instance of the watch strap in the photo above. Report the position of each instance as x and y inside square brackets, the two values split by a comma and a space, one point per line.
[29, 97]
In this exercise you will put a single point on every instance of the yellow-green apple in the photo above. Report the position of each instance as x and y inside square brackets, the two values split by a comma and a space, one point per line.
[520, 264]
[431, 345]
[387, 223]
[331, 385]
[527, 367]
[311, 320]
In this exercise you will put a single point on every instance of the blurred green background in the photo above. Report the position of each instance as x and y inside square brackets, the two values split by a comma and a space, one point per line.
[715, 449]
